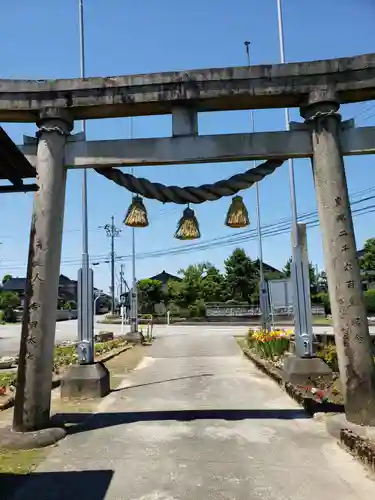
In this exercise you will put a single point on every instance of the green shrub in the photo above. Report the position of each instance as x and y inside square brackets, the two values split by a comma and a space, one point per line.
[174, 309]
[369, 298]
[101, 348]
[64, 355]
[323, 298]
[197, 309]
[329, 354]
[10, 315]
[7, 379]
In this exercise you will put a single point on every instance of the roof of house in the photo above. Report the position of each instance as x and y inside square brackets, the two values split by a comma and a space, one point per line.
[267, 267]
[19, 284]
[360, 253]
[15, 285]
[164, 277]
[64, 279]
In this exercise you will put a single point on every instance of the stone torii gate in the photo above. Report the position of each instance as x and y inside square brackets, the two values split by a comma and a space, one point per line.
[317, 88]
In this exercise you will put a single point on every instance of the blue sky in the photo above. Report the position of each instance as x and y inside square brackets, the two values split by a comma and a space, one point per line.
[40, 39]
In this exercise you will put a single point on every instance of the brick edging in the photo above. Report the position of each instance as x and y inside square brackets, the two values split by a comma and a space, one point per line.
[56, 381]
[310, 405]
[359, 447]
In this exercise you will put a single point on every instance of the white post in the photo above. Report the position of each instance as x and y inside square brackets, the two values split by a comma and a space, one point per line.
[302, 321]
[122, 320]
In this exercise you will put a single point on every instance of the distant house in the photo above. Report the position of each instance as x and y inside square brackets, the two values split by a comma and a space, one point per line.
[68, 288]
[164, 277]
[267, 268]
[360, 253]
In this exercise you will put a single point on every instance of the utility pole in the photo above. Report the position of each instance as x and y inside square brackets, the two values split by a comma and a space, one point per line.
[300, 281]
[263, 294]
[134, 295]
[121, 279]
[85, 274]
[112, 232]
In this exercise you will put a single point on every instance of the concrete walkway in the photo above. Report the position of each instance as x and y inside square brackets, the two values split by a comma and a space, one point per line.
[197, 421]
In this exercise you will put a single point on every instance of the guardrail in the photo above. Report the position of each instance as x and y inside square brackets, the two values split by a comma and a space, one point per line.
[62, 315]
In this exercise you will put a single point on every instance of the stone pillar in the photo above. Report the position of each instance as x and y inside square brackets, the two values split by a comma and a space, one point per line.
[34, 378]
[353, 343]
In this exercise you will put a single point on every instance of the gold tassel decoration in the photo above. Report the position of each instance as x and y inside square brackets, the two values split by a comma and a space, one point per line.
[188, 226]
[237, 215]
[136, 216]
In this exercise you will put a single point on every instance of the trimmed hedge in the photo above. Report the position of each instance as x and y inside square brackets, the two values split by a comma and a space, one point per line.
[369, 298]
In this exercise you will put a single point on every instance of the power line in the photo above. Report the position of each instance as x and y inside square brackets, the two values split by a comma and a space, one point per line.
[281, 226]
[368, 108]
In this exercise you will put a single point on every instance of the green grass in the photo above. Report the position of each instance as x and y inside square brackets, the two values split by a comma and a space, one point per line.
[18, 464]
[20, 461]
[317, 320]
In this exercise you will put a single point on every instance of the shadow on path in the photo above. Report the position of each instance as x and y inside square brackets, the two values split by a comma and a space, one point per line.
[162, 381]
[92, 484]
[81, 422]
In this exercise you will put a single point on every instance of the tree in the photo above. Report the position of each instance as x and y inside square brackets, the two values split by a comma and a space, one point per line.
[6, 278]
[199, 283]
[287, 268]
[322, 282]
[312, 274]
[175, 295]
[150, 293]
[8, 302]
[213, 284]
[367, 261]
[192, 282]
[241, 276]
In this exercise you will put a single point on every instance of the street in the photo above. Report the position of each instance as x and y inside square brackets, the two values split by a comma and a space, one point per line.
[67, 331]
[196, 420]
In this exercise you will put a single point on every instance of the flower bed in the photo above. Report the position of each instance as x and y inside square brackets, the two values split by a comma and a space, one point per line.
[269, 345]
[64, 356]
[319, 396]
[267, 350]
[307, 399]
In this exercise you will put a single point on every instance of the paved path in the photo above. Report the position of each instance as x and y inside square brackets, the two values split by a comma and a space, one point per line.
[197, 421]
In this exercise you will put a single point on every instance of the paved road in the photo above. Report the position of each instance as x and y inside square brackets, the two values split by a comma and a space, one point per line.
[197, 421]
[67, 330]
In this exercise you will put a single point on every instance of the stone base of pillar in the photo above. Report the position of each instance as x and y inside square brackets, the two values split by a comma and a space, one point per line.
[337, 423]
[300, 371]
[86, 381]
[11, 440]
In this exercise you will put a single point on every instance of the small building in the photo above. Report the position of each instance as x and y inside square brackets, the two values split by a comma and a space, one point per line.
[164, 277]
[267, 268]
[68, 288]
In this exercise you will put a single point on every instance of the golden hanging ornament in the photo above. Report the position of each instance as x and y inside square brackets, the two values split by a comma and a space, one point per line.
[237, 215]
[188, 226]
[136, 216]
